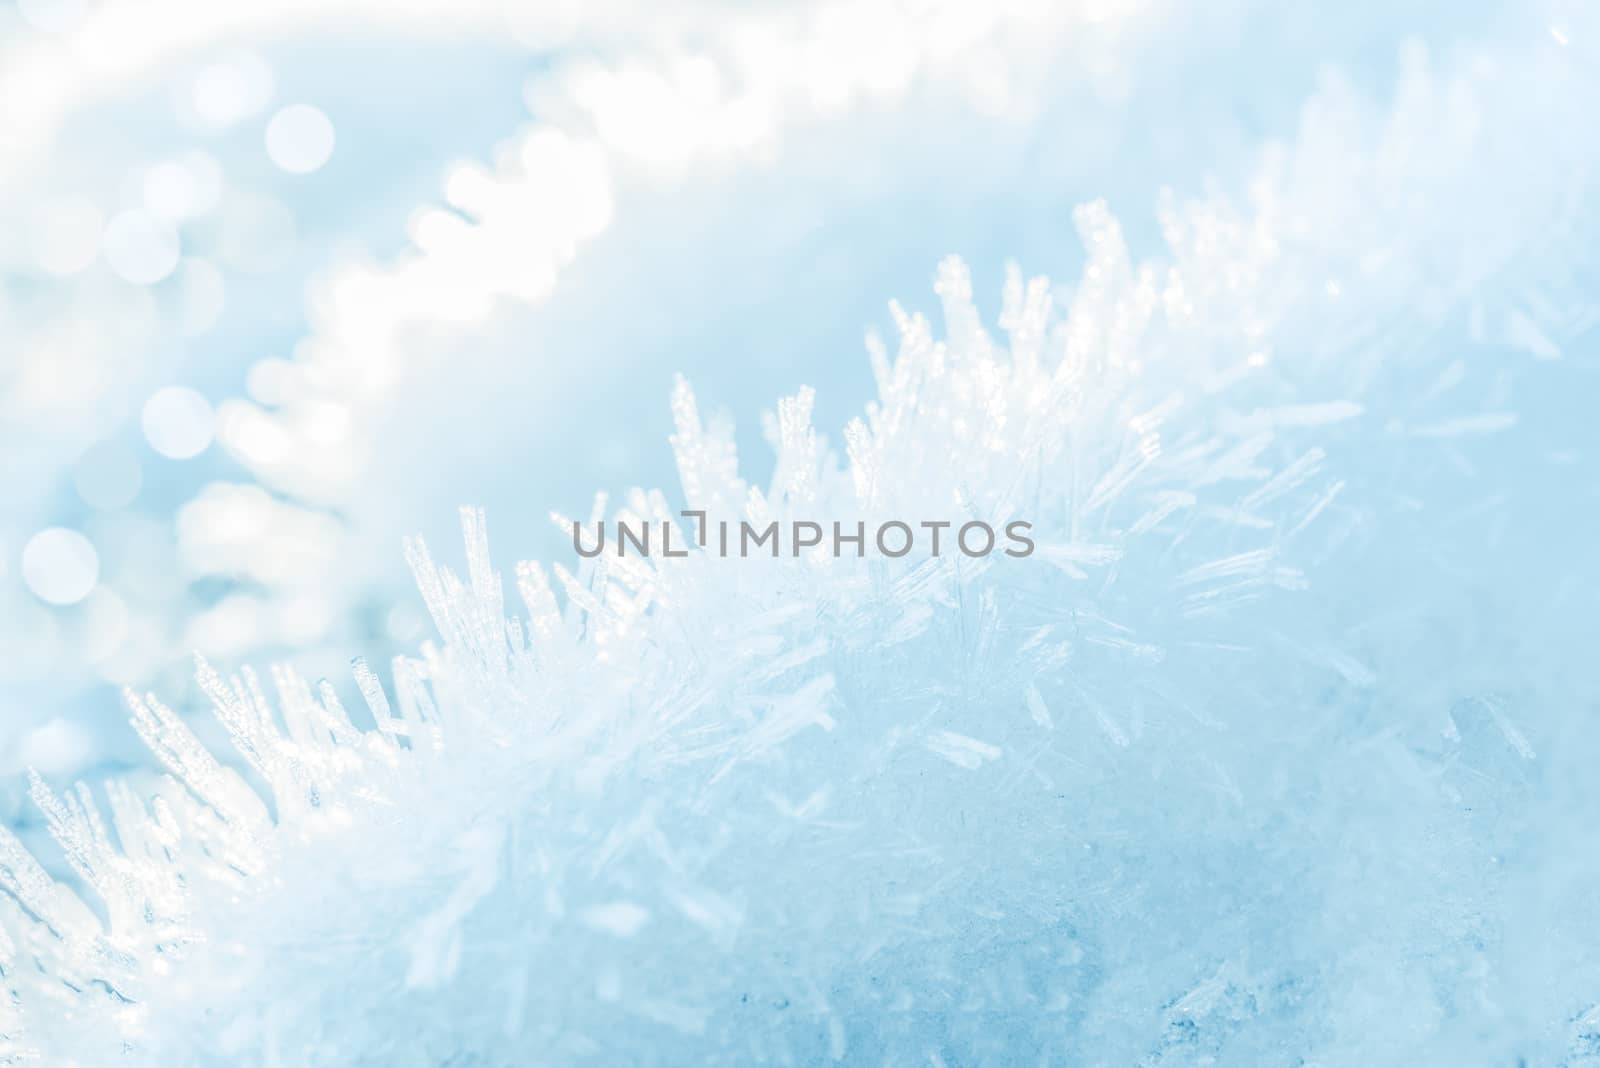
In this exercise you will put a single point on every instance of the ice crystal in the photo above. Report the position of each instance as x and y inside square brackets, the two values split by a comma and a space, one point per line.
[1277, 750]
[1100, 805]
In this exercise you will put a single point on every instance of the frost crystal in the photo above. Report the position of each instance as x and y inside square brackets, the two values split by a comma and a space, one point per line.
[1236, 768]
[811, 808]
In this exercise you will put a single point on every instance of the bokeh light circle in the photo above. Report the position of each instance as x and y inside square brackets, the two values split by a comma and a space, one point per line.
[60, 566]
[178, 422]
[66, 235]
[300, 139]
[140, 248]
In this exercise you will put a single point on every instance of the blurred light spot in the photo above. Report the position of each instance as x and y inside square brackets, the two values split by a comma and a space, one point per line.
[52, 16]
[205, 293]
[257, 234]
[105, 625]
[107, 476]
[140, 249]
[206, 173]
[58, 747]
[229, 628]
[66, 235]
[303, 618]
[326, 422]
[300, 139]
[252, 434]
[60, 565]
[222, 530]
[268, 381]
[225, 93]
[178, 422]
[470, 188]
[439, 232]
[170, 191]
[138, 551]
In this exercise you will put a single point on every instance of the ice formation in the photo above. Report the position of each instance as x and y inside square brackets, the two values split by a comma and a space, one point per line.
[1278, 750]
[1118, 803]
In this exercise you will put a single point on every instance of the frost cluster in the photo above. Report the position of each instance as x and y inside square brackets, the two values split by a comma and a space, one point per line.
[1125, 801]
[1278, 749]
